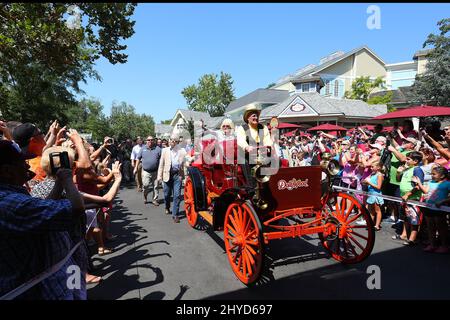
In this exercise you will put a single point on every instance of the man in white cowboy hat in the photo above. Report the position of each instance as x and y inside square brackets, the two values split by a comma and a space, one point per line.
[252, 133]
[250, 136]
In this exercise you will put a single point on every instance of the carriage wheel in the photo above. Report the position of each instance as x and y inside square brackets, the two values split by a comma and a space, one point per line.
[189, 203]
[243, 241]
[352, 236]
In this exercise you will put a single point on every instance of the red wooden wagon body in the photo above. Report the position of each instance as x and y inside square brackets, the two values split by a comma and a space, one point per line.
[298, 196]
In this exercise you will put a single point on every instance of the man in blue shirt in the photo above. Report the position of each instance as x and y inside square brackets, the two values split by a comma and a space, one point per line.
[150, 155]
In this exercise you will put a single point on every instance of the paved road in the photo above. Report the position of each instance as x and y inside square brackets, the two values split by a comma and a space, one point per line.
[157, 259]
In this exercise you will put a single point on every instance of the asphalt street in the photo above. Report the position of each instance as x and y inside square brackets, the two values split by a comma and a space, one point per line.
[157, 259]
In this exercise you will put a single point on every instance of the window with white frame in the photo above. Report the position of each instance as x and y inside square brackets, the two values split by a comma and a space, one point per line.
[336, 88]
[305, 87]
[181, 126]
[327, 87]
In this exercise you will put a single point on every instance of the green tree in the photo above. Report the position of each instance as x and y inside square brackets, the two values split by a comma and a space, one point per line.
[384, 99]
[211, 95]
[46, 49]
[166, 121]
[126, 123]
[270, 85]
[433, 86]
[362, 87]
[88, 117]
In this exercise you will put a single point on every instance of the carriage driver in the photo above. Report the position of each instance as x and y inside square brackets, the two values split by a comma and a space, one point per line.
[249, 136]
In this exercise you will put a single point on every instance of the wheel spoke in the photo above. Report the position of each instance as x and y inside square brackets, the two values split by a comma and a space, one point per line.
[250, 258]
[355, 241]
[249, 264]
[343, 206]
[360, 235]
[349, 211]
[238, 254]
[230, 228]
[251, 234]
[354, 218]
[244, 266]
[248, 225]
[250, 249]
[351, 247]
[235, 225]
[238, 218]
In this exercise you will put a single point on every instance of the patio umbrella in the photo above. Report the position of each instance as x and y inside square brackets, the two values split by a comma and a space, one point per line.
[327, 127]
[290, 133]
[417, 111]
[288, 125]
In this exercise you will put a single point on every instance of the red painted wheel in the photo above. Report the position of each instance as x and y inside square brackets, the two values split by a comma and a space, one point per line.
[351, 236]
[189, 203]
[244, 241]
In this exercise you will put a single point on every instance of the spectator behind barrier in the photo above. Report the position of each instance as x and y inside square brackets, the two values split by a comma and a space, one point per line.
[32, 230]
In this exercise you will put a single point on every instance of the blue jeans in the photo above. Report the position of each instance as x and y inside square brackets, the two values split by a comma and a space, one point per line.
[173, 187]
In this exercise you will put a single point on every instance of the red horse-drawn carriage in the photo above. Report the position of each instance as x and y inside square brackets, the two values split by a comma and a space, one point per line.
[300, 196]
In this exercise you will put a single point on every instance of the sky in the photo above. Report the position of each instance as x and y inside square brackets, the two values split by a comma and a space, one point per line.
[257, 43]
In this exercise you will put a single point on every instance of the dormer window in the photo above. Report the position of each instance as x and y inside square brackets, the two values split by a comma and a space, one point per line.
[305, 87]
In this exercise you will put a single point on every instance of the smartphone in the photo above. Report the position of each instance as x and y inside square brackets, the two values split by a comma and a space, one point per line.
[63, 161]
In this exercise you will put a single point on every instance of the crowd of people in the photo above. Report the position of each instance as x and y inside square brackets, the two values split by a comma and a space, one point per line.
[400, 162]
[57, 190]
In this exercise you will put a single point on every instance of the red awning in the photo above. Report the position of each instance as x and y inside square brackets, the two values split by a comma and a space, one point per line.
[327, 127]
[417, 111]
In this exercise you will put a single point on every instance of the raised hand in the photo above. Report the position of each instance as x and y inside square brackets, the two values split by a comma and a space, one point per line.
[60, 136]
[116, 169]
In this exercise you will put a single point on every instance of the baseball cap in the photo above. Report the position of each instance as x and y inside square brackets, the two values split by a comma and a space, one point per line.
[24, 132]
[11, 153]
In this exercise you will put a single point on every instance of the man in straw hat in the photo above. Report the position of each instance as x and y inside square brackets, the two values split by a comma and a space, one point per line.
[250, 136]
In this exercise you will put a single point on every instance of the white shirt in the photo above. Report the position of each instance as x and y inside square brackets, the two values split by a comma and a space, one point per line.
[135, 151]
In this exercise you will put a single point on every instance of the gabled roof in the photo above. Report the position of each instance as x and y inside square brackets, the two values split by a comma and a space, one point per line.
[190, 114]
[329, 63]
[163, 128]
[327, 106]
[258, 96]
[214, 122]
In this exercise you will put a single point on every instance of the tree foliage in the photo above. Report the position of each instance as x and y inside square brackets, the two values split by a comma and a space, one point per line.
[126, 123]
[384, 99]
[211, 95]
[88, 117]
[362, 87]
[45, 53]
[433, 86]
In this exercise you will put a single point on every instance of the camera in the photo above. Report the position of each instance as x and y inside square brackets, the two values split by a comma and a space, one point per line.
[110, 141]
[64, 162]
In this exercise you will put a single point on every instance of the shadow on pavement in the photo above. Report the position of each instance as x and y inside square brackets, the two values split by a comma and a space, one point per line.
[120, 270]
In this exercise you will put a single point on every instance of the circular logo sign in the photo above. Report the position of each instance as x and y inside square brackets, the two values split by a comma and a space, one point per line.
[274, 122]
[298, 107]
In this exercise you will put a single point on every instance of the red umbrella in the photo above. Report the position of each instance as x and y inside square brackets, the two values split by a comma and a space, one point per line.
[290, 133]
[417, 111]
[288, 125]
[327, 127]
